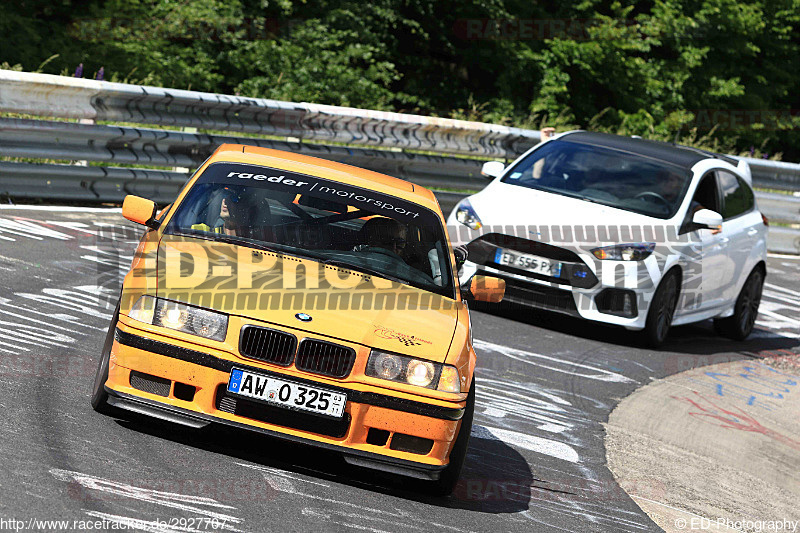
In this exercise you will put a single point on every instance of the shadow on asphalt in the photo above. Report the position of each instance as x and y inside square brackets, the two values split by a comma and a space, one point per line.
[495, 479]
[697, 339]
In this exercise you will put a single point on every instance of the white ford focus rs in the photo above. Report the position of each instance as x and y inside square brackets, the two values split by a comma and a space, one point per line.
[620, 230]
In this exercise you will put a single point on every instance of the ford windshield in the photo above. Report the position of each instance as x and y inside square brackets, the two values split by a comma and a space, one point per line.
[603, 175]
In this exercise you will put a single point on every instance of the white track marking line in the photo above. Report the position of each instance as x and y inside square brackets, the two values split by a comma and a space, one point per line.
[37, 320]
[783, 289]
[40, 343]
[782, 298]
[552, 448]
[17, 348]
[327, 516]
[75, 321]
[775, 329]
[267, 471]
[779, 317]
[172, 500]
[142, 525]
[526, 357]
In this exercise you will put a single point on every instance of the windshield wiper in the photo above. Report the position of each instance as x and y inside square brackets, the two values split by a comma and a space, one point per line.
[575, 195]
[272, 247]
[364, 270]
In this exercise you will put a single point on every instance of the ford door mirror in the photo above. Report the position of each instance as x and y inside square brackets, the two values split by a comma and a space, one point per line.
[707, 219]
[493, 169]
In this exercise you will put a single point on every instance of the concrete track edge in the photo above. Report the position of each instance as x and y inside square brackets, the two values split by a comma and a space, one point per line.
[715, 448]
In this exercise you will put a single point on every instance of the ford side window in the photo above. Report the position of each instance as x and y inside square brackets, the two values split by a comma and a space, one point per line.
[737, 198]
[749, 196]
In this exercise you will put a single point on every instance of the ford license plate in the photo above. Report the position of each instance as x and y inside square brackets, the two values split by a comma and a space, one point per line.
[531, 263]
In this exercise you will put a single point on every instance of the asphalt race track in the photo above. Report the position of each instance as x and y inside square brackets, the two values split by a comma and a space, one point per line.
[546, 384]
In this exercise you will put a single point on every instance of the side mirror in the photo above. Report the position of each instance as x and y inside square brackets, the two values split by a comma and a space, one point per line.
[141, 211]
[487, 288]
[493, 169]
[707, 219]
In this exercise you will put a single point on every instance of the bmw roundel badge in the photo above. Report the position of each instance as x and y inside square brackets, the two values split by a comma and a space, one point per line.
[303, 317]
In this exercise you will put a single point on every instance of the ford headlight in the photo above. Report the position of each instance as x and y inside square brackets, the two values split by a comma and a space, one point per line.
[417, 372]
[625, 252]
[180, 317]
[466, 214]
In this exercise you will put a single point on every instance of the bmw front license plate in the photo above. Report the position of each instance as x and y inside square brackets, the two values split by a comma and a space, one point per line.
[287, 393]
[531, 263]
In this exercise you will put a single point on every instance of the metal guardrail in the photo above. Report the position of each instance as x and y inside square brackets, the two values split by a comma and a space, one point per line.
[41, 139]
[397, 144]
[774, 174]
[61, 96]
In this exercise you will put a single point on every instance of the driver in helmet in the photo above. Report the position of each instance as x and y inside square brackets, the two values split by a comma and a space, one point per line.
[234, 213]
[386, 233]
[392, 236]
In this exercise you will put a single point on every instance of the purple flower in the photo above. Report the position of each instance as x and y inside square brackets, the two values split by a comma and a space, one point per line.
[100, 74]
[79, 71]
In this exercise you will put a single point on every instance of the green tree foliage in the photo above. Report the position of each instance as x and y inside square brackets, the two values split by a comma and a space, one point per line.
[717, 73]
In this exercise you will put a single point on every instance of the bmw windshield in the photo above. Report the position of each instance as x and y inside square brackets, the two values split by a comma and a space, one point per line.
[327, 221]
[603, 175]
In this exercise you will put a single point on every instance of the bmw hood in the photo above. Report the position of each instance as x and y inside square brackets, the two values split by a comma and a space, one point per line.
[306, 296]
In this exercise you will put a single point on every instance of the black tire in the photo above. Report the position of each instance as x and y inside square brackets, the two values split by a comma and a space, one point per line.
[99, 394]
[739, 325]
[662, 310]
[448, 479]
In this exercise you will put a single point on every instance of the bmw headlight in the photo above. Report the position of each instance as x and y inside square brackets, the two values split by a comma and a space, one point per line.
[625, 252]
[180, 317]
[418, 372]
[466, 214]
